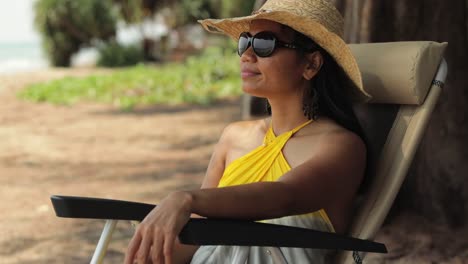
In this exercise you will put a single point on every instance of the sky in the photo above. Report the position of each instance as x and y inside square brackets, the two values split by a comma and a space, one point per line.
[16, 21]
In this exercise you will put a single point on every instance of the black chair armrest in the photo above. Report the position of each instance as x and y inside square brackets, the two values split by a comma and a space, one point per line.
[98, 208]
[202, 231]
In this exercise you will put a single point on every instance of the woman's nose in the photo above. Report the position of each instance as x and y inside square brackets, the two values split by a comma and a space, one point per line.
[249, 55]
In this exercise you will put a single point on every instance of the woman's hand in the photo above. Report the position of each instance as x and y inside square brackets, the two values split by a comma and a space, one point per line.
[154, 238]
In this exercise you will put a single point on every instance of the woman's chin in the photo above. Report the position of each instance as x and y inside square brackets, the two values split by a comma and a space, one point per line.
[254, 91]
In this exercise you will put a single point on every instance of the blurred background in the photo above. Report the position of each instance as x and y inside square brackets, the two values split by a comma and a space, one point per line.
[125, 99]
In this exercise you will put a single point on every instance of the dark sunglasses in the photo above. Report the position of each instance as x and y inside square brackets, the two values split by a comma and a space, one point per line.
[263, 44]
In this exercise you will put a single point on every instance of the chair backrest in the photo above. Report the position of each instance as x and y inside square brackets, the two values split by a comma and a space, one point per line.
[401, 77]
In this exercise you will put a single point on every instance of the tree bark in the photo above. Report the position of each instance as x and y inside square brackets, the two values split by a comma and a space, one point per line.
[436, 186]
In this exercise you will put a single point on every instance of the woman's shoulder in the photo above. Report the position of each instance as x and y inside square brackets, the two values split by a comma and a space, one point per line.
[328, 130]
[244, 133]
[323, 137]
[338, 141]
[244, 128]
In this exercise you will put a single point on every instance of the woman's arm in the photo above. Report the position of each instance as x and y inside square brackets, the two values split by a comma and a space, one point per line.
[328, 179]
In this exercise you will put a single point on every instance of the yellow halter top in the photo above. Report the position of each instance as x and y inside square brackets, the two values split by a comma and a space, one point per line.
[265, 163]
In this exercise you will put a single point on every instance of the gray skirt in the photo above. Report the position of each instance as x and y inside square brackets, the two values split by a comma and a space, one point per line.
[263, 255]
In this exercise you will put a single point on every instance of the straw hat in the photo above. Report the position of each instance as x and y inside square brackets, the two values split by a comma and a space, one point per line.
[317, 19]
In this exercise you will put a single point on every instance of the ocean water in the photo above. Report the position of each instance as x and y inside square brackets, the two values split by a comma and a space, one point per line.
[21, 57]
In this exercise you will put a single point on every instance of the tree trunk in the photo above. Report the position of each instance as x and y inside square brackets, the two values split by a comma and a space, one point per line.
[436, 186]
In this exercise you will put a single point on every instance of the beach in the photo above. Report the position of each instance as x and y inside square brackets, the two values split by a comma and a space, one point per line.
[21, 56]
[97, 150]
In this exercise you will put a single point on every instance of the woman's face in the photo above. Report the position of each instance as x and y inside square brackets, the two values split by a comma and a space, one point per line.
[277, 75]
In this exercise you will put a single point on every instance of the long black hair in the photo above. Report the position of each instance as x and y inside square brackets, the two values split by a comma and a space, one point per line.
[330, 94]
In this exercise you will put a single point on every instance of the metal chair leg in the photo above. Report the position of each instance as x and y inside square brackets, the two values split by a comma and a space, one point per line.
[104, 240]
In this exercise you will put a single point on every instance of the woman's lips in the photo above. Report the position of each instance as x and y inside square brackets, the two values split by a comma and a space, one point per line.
[247, 74]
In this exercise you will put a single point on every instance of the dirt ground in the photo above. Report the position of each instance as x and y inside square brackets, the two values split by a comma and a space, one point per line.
[99, 151]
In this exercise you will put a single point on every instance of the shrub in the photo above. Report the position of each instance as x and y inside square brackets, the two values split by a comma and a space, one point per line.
[235, 8]
[67, 25]
[200, 80]
[116, 55]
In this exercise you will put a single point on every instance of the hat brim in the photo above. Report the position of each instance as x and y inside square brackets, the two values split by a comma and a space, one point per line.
[329, 41]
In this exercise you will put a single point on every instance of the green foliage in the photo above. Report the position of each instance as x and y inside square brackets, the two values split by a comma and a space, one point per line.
[236, 8]
[130, 11]
[200, 80]
[189, 11]
[133, 11]
[67, 25]
[115, 55]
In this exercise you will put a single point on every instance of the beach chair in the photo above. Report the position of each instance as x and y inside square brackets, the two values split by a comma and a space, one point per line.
[405, 80]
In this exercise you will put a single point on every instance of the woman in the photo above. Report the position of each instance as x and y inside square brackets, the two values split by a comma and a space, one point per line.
[302, 166]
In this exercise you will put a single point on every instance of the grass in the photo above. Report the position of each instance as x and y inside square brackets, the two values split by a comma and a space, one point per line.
[200, 80]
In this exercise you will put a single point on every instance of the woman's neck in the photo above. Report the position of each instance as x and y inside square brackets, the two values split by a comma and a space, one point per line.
[286, 114]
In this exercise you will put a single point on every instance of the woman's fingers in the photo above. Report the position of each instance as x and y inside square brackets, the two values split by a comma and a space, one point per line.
[169, 241]
[144, 249]
[155, 237]
[133, 248]
[157, 249]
